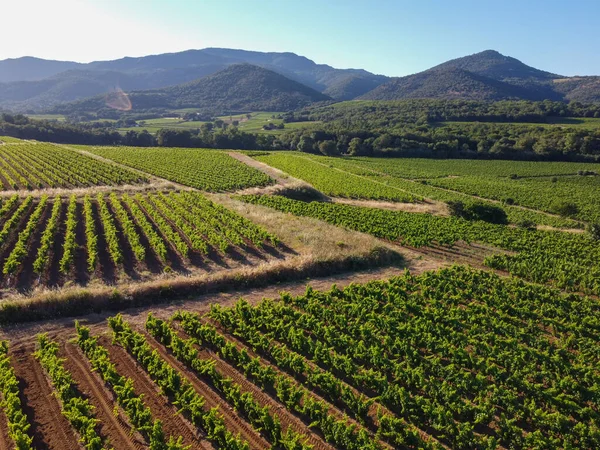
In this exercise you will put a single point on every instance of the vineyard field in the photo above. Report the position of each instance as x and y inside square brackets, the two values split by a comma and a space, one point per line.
[567, 260]
[537, 186]
[35, 165]
[457, 358]
[52, 240]
[208, 170]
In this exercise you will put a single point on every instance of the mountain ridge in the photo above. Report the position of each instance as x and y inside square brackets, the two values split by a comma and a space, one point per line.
[487, 75]
[169, 69]
[239, 87]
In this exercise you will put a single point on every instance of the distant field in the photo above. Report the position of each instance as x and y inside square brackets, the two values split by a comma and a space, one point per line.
[442, 180]
[252, 125]
[33, 165]
[209, 170]
[566, 122]
[58, 117]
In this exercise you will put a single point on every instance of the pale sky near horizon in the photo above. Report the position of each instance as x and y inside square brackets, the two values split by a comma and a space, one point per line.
[392, 37]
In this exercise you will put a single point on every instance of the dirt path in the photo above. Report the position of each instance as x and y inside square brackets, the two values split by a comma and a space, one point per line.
[174, 424]
[49, 428]
[279, 176]
[277, 409]
[115, 429]
[233, 421]
[432, 207]
[6, 442]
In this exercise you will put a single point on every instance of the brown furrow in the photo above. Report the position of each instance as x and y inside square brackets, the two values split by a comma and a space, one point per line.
[117, 431]
[50, 429]
[235, 423]
[174, 424]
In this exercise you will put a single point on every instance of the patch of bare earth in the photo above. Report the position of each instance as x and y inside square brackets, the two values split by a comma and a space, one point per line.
[428, 207]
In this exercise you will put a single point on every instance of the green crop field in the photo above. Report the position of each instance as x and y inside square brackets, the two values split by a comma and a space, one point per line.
[210, 170]
[568, 260]
[586, 123]
[254, 124]
[58, 117]
[34, 165]
[539, 186]
[502, 354]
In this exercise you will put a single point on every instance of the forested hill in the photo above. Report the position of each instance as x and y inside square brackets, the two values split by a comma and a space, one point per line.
[493, 64]
[453, 83]
[488, 75]
[238, 88]
[34, 83]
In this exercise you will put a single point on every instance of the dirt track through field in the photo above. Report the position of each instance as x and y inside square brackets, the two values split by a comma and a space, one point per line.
[49, 428]
[174, 424]
[5, 441]
[234, 423]
[114, 429]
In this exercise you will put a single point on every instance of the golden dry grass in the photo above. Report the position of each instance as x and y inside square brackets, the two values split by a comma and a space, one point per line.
[430, 207]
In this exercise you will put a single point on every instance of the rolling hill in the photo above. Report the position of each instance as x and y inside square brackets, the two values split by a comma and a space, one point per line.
[487, 75]
[240, 87]
[449, 83]
[34, 84]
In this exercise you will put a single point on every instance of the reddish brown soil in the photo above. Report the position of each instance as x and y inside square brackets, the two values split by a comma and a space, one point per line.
[117, 432]
[174, 424]
[49, 428]
[5, 441]
[234, 423]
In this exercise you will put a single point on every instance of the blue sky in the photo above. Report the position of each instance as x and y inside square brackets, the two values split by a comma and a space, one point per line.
[392, 37]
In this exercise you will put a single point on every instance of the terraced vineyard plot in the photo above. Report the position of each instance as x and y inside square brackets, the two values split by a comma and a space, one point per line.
[438, 179]
[570, 261]
[457, 358]
[10, 140]
[209, 170]
[48, 241]
[331, 182]
[40, 165]
[544, 193]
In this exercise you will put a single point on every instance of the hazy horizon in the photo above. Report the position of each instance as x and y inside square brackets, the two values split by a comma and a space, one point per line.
[388, 37]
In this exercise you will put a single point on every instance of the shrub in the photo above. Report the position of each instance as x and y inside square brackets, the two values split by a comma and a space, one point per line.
[478, 211]
[509, 201]
[565, 209]
[457, 208]
[527, 224]
[593, 230]
[488, 213]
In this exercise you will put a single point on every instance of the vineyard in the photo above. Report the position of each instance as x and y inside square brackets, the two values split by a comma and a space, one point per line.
[568, 260]
[51, 240]
[208, 170]
[502, 355]
[538, 186]
[30, 165]
[457, 358]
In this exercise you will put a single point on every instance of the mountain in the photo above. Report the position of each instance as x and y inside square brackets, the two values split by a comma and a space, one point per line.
[239, 88]
[350, 87]
[28, 68]
[578, 89]
[495, 65]
[449, 83]
[33, 83]
[488, 76]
